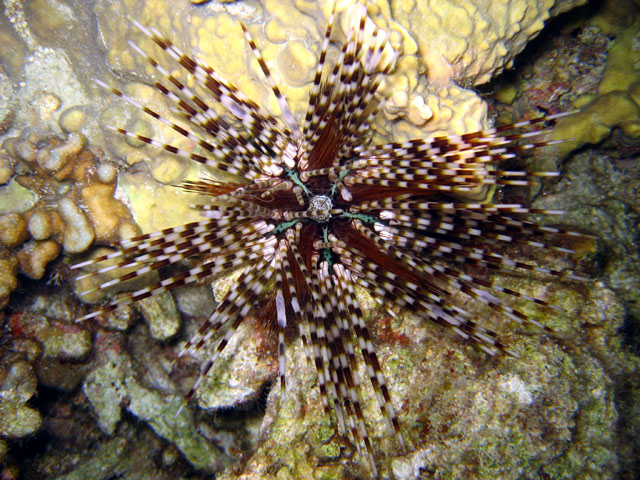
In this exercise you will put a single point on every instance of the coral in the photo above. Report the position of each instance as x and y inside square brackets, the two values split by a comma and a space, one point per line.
[8, 277]
[419, 105]
[73, 119]
[13, 55]
[58, 160]
[112, 384]
[243, 370]
[596, 120]
[147, 193]
[13, 230]
[49, 84]
[617, 101]
[19, 384]
[60, 198]
[516, 389]
[6, 168]
[465, 41]
[163, 166]
[458, 405]
[35, 256]
[78, 234]
[155, 206]
[472, 41]
[161, 315]
[6, 108]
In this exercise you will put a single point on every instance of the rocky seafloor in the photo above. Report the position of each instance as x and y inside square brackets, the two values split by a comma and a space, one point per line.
[99, 399]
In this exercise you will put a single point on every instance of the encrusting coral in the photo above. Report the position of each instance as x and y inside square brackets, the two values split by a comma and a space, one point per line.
[59, 199]
[18, 385]
[422, 102]
[616, 105]
[460, 44]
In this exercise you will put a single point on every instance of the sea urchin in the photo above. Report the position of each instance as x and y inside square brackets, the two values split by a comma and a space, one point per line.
[315, 210]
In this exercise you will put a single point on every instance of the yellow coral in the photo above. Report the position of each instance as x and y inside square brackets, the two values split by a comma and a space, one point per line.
[474, 39]
[8, 280]
[106, 212]
[86, 287]
[155, 207]
[435, 43]
[35, 256]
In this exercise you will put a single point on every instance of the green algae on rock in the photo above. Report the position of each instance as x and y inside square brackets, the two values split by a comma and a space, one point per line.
[17, 419]
[112, 386]
[161, 315]
[463, 412]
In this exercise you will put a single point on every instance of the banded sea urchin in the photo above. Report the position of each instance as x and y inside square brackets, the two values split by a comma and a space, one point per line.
[316, 210]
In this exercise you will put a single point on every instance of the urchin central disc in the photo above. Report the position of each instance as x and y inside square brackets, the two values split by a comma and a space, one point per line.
[320, 208]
